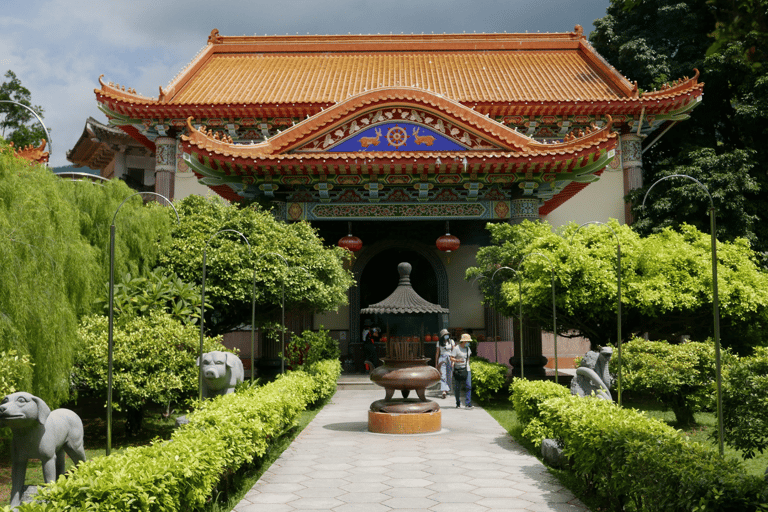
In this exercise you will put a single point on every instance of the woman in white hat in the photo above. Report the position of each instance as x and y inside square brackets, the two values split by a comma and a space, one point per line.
[445, 346]
[462, 374]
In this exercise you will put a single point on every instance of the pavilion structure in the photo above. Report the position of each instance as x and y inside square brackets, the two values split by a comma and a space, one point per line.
[390, 136]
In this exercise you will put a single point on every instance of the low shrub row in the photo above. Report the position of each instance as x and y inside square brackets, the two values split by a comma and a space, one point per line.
[488, 378]
[180, 474]
[630, 461]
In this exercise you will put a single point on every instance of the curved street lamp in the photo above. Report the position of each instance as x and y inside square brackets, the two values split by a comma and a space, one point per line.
[202, 308]
[39, 120]
[520, 293]
[715, 300]
[110, 349]
[282, 318]
[493, 281]
[618, 295]
[554, 309]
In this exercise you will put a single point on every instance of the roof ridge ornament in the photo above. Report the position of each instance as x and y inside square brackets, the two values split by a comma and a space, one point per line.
[215, 37]
[578, 31]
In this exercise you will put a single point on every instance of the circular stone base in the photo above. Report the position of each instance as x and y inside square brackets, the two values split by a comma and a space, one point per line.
[392, 423]
[404, 406]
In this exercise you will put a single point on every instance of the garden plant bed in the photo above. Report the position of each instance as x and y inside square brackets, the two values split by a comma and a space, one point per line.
[701, 431]
[94, 416]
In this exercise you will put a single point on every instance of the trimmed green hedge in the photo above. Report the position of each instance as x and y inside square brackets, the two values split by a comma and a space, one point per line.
[632, 462]
[181, 474]
[487, 378]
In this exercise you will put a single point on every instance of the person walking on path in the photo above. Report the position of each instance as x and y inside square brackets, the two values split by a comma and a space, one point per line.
[445, 346]
[462, 373]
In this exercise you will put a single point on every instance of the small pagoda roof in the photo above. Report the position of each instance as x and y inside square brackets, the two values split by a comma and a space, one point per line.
[404, 300]
[497, 74]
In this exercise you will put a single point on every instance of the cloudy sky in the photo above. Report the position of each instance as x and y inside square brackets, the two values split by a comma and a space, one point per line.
[58, 48]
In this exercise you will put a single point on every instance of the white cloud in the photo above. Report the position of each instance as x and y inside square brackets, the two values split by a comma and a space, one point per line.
[58, 48]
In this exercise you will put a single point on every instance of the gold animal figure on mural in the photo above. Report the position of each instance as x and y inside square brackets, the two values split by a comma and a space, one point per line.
[371, 141]
[419, 139]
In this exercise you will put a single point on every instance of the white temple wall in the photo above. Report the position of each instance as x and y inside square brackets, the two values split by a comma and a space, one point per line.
[186, 184]
[599, 201]
[463, 296]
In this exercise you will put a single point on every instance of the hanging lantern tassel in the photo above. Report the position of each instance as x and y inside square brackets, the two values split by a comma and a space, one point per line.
[350, 242]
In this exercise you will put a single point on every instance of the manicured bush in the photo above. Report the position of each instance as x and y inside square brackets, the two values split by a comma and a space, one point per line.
[745, 403]
[632, 462]
[181, 474]
[681, 377]
[527, 397]
[487, 378]
[310, 347]
[154, 361]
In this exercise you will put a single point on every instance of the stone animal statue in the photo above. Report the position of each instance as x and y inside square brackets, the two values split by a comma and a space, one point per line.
[592, 375]
[41, 434]
[222, 371]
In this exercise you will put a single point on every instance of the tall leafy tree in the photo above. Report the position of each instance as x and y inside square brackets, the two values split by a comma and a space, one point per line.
[656, 41]
[19, 125]
[54, 248]
[666, 282]
[313, 275]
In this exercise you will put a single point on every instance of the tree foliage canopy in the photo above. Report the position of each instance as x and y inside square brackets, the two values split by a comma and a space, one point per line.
[666, 282]
[721, 145]
[54, 252]
[314, 277]
[18, 124]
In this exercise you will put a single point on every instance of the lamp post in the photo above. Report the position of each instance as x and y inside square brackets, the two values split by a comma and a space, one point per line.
[493, 277]
[202, 308]
[715, 299]
[110, 338]
[39, 120]
[554, 309]
[282, 307]
[618, 296]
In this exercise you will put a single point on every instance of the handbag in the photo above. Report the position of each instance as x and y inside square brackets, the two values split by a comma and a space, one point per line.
[460, 373]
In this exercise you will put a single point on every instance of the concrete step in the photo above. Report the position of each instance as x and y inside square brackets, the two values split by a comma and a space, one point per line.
[355, 381]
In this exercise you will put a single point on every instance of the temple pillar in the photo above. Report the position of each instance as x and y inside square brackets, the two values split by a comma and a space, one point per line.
[165, 166]
[523, 208]
[533, 361]
[632, 166]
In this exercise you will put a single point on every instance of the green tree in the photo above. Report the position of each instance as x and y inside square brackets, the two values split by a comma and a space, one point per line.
[745, 403]
[154, 362]
[721, 145]
[54, 248]
[681, 377]
[19, 125]
[666, 282]
[314, 278]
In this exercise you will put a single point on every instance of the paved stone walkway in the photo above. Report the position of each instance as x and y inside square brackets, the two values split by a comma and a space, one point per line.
[472, 464]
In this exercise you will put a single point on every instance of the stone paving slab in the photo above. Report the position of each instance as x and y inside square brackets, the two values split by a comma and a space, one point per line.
[472, 464]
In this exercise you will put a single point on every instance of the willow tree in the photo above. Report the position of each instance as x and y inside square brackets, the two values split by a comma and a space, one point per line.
[312, 274]
[54, 258]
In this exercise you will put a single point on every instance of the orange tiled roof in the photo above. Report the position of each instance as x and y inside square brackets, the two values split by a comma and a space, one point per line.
[328, 69]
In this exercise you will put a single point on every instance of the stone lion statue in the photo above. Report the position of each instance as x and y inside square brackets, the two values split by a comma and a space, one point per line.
[592, 375]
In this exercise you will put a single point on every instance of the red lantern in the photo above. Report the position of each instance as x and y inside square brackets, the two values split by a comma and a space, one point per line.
[351, 243]
[428, 338]
[448, 243]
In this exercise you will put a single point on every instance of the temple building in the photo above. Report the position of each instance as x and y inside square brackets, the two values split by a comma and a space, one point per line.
[400, 147]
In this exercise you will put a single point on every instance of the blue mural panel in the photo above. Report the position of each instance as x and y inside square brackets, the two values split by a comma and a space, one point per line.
[400, 136]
